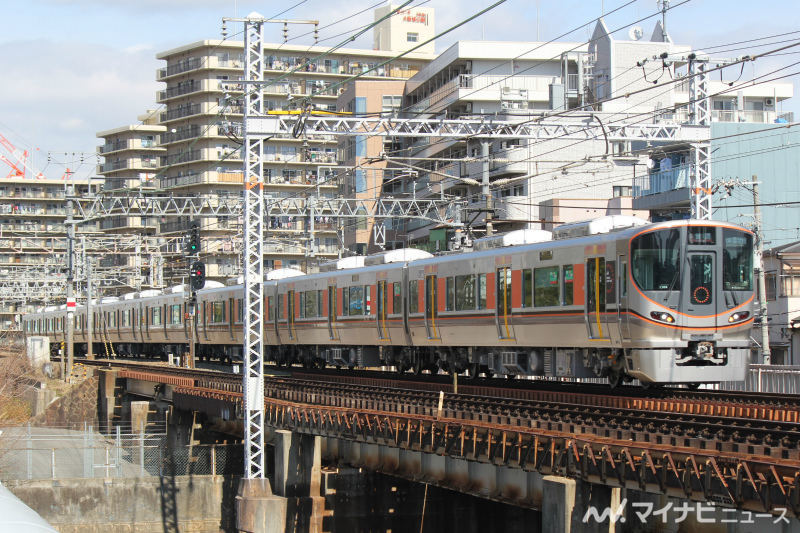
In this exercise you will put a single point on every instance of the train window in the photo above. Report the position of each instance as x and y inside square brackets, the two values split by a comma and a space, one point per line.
[701, 268]
[545, 287]
[504, 291]
[465, 292]
[611, 278]
[240, 310]
[655, 260]
[737, 264]
[481, 291]
[623, 278]
[320, 301]
[310, 304]
[367, 299]
[217, 312]
[413, 296]
[356, 306]
[112, 319]
[156, 315]
[270, 309]
[567, 297]
[281, 299]
[175, 314]
[345, 301]
[397, 299]
[527, 288]
[449, 294]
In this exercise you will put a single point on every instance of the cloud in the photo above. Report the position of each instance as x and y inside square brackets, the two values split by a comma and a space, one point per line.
[57, 95]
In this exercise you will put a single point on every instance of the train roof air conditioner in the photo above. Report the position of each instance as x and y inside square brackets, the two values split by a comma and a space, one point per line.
[596, 226]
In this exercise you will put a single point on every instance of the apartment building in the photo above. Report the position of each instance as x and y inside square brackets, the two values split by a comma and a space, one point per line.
[202, 117]
[543, 183]
[782, 273]
[131, 156]
[33, 240]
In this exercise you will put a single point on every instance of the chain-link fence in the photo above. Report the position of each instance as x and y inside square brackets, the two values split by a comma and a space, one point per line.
[37, 453]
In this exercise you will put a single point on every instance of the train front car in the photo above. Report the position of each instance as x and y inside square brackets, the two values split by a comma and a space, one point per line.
[690, 311]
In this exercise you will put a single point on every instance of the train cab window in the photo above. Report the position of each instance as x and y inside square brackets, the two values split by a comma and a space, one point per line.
[655, 260]
[737, 264]
[465, 292]
[527, 288]
[413, 296]
[567, 297]
[217, 312]
[545, 287]
[397, 299]
[481, 291]
[356, 306]
[175, 314]
[449, 294]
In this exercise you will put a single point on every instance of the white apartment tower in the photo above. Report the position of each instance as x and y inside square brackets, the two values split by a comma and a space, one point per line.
[405, 29]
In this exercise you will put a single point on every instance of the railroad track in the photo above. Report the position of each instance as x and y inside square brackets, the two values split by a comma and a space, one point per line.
[763, 424]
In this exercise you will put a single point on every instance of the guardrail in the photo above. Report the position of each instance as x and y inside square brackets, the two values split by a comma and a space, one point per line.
[780, 379]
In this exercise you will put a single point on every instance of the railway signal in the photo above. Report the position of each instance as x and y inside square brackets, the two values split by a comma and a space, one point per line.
[194, 240]
[197, 275]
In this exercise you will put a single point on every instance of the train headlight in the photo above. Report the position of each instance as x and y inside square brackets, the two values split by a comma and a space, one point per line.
[663, 317]
[738, 316]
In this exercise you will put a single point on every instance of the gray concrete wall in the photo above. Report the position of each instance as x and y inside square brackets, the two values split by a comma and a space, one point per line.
[198, 504]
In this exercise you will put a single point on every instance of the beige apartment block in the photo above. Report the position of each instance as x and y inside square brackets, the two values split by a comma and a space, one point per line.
[202, 115]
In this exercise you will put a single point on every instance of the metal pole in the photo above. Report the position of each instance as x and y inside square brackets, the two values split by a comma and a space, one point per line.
[89, 317]
[487, 194]
[766, 355]
[66, 365]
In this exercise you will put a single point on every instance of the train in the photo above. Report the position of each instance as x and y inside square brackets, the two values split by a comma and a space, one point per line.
[616, 297]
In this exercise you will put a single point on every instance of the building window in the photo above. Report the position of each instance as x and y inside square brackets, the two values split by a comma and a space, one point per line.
[412, 37]
[391, 103]
[771, 280]
[622, 190]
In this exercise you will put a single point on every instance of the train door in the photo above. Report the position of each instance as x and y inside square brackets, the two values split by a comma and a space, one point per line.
[702, 298]
[431, 312]
[505, 327]
[382, 310]
[622, 306]
[333, 329]
[595, 305]
[290, 326]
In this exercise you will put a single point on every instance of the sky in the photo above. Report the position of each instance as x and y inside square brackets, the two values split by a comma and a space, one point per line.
[71, 68]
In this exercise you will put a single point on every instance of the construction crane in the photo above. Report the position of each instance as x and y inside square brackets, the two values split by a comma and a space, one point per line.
[18, 161]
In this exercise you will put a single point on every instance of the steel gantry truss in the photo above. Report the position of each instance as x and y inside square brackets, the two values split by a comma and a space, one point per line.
[260, 126]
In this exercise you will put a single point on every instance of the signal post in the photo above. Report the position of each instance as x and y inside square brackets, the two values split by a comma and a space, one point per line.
[197, 279]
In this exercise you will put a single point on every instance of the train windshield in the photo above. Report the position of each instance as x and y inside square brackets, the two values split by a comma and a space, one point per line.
[655, 260]
[737, 266]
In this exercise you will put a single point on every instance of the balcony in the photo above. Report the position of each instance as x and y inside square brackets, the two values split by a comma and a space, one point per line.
[181, 157]
[127, 223]
[180, 67]
[181, 112]
[663, 181]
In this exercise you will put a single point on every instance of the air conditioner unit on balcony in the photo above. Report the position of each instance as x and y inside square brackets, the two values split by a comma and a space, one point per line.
[769, 102]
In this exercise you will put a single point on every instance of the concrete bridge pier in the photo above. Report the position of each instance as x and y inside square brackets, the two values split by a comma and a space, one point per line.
[107, 399]
[298, 477]
[565, 503]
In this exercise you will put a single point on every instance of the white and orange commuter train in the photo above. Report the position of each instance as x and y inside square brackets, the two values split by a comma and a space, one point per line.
[668, 302]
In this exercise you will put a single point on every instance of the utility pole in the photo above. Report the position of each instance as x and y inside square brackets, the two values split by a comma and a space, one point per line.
[89, 317]
[66, 359]
[766, 354]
